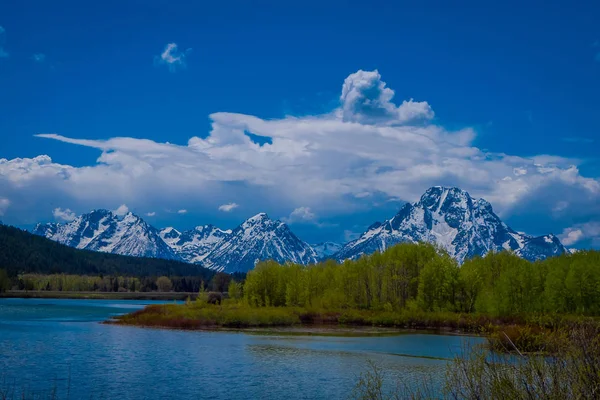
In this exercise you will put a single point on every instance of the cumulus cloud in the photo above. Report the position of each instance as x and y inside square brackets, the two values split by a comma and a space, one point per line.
[304, 215]
[365, 98]
[327, 164]
[301, 215]
[227, 207]
[182, 211]
[151, 214]
[580, 232]
[3, 53]
[121, 210]
[64, 215]
[4, 203]
[172, 57]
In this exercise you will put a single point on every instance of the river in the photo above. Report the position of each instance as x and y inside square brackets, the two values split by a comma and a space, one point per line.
[60, 345]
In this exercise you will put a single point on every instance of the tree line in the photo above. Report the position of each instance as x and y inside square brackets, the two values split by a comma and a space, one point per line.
[423, 277]
[113, 283]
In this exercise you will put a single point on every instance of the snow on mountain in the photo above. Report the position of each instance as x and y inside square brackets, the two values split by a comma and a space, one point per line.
[452, 219]
[194, 245]
[256, 239]
[448, 217]
[101, 230]
[326, 249]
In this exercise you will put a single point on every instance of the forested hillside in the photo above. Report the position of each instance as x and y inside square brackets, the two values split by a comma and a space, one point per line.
[22, 252]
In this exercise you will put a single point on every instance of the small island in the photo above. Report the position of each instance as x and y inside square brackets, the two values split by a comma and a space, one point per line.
[518, 305]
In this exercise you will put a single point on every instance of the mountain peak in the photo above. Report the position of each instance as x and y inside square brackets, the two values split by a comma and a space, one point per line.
[256, 220]
[259, 217]
[101, 230]
[435, 198]
[451, 218]
[259, 238]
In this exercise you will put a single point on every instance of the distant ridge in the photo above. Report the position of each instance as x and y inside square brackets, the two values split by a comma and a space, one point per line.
[23, 252]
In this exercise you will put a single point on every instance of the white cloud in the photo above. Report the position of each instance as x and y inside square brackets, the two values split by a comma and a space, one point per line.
[172, 57]
[365, 98]
[301, 215]
[577, 233]
[4, 203]
[182, 211]
[519, 171]
[571, 236]
[151, 214]
[324, 163]
[39, 57]
[228, 207]
[65, 215]
[121, 210]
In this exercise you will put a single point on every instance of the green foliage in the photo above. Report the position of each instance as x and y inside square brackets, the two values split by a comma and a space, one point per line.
[198, 315]
[220, 282]
[234, 290]
[376, 281]
[164, 284]
[419, 277]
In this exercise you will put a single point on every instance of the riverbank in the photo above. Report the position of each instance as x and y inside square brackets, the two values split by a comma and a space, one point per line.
[523, 334]
[48, 294]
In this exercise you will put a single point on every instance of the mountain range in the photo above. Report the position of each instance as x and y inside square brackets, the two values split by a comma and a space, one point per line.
[449, 217]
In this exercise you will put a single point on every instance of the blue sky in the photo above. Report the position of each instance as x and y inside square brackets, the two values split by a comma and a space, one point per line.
[498, 89]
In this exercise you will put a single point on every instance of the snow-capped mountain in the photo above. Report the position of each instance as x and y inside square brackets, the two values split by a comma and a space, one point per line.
[452, 219]
[326, 249]
[101, 230]
[194, 245]
[448, 217]
[259, 238]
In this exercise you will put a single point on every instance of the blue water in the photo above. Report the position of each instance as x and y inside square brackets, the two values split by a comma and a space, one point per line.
[60, 344]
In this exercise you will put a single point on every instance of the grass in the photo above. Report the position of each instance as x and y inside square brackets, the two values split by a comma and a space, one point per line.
[198, 315]
[572, 372]
[520, 334]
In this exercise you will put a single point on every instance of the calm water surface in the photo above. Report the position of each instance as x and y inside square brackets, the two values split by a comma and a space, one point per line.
[49, 343]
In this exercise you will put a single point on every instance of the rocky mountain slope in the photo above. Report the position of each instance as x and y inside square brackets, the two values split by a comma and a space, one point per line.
[102, 230]
[259, 238]
[451, 218]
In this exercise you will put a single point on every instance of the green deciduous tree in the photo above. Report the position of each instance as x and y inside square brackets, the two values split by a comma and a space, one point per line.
[164, 284]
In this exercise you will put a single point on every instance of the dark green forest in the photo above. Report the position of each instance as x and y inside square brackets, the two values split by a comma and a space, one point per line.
[22, 252]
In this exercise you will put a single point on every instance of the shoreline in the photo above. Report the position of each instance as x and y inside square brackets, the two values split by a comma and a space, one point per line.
[333, 330]
[299, 321]
[43, 294]
[525, 334]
